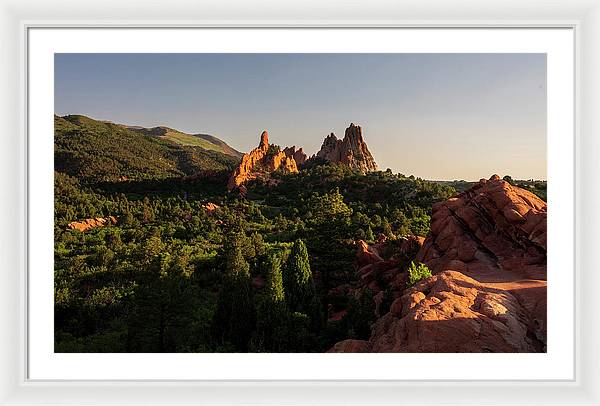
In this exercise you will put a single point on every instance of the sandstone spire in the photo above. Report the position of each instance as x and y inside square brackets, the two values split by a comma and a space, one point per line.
[260, 162]
[352, 151]
[264, 141]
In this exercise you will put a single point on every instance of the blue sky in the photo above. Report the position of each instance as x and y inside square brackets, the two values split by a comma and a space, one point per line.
[437, 116]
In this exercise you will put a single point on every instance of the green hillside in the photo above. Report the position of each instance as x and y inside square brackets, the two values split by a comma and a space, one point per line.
[93, 150]
[204, 141]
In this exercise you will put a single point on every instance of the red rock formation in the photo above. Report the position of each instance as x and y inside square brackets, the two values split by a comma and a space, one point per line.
[298, 154]
[88, 224]
[351, 151]
[487, 250]
[259, 163]
[494, 225]
[378, 274]
[281, 160]
[244, 171]
[366, 255]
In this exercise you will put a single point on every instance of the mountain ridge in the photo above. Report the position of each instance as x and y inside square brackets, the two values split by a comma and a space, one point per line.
[206, 141]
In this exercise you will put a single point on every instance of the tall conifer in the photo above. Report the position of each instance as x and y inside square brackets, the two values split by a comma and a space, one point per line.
[272, 315]
[235, 314]
[298, 280]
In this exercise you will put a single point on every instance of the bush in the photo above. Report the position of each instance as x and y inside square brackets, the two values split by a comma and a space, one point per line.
[417, 272]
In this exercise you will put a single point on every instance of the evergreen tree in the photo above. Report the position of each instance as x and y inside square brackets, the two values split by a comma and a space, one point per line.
[234, 317]
[298, 281]
[299, 286]
[161, 309]
[274, 284]
[330, 225]
[271, 325]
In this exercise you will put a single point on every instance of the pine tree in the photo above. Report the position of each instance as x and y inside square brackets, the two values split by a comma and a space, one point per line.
[299, 286]
[234, 317]
[271, 325]
[161, 309]
[297, 280]
[330, 225]
[274, 284]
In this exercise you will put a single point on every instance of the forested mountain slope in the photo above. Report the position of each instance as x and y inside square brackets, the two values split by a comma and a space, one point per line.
[96, 151]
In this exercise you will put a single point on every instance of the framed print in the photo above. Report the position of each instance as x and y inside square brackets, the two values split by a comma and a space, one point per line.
[244, 211]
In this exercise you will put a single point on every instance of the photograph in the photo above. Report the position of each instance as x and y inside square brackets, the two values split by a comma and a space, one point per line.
[300, 203]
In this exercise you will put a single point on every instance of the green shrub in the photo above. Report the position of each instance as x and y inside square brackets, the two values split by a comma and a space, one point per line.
[416, 272]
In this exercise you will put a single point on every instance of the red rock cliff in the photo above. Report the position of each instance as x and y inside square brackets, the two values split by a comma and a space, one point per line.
[487, 253]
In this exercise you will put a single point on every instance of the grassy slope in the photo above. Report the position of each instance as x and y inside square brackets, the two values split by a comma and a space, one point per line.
[204, 141]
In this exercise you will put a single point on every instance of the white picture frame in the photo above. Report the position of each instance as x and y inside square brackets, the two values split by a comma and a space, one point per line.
[18, 16]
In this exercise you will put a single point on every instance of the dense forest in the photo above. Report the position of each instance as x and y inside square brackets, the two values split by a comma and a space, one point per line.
[190, 267]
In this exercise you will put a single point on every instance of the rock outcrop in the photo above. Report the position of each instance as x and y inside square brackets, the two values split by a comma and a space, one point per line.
[211, 207]
[487, 253]
[261, 161]
[351, 151]
[375, 274]
[88, 224]
[298, 154]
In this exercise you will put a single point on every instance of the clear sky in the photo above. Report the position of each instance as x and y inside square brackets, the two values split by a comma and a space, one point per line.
[436, 116]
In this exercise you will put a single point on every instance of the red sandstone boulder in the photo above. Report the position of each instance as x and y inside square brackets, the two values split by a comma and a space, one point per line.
[451, 312]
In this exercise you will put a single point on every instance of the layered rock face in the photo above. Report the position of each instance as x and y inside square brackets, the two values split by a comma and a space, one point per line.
[88, 224]
[351, 151]
[487, 253]
[259, 163]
